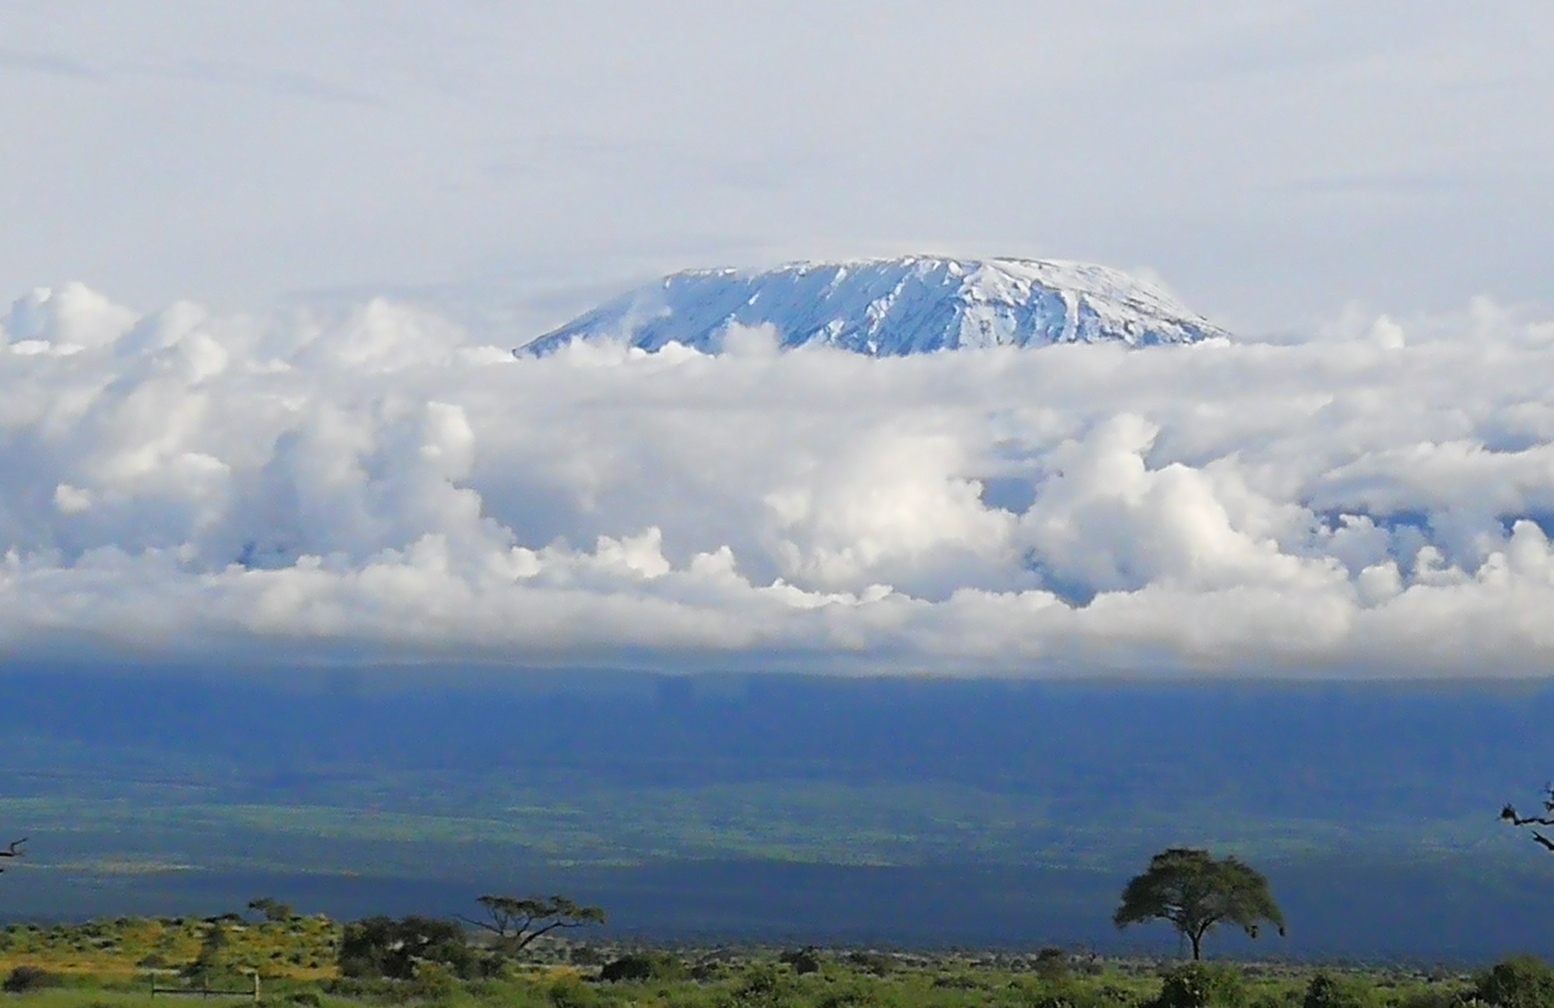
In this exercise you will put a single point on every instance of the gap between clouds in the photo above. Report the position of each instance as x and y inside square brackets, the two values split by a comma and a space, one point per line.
[381, 485]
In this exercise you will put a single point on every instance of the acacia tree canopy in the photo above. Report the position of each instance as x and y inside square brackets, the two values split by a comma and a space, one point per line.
[271, 909]
[518, 921]
[1196, 892]
[1510, 815]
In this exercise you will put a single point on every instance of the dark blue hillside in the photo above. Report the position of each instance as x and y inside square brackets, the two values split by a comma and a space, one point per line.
[916, 811]
[1339, 751]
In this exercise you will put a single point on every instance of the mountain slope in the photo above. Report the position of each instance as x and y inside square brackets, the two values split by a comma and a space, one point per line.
[893, 307]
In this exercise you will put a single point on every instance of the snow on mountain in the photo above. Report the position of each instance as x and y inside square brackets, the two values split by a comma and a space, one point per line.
[893, 307]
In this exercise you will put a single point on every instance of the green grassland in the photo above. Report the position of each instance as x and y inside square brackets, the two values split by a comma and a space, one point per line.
[116, 962]
[303, 948]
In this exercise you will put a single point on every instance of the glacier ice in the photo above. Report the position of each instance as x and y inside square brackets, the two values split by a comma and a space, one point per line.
[893, 307]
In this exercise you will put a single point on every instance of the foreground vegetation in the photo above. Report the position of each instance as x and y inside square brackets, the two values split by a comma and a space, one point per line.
[314, 962]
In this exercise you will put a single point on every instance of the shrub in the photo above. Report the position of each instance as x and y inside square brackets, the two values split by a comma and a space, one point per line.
[1518, 982]
[637, 967]
[433, 982]
[1202, 985]
[386, 947]
[570, 992]
[1051, 964]
[1328, 991]
[584, 955]
[877, 963]
[804, 960]
[1067, 993]
[1279, 999]
[627, 969]
[1429, 997]
[958, 981]
[29, 978]
[762, 986]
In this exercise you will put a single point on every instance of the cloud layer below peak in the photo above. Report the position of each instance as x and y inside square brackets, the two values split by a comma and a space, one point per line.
[381, 485]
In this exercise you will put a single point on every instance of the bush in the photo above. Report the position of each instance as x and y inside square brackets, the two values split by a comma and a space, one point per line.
[433, 982]
[1328, 991]
[1518, 982]
[804, 960]
[1429, 997]
[29, 978]
[570, 992]
[394, 948]
[762, 986]
[584, 955]
[1067, 993]
[1278, 999]
[638, 967]
[877, 963]
[1202, 985]
[1051, 964]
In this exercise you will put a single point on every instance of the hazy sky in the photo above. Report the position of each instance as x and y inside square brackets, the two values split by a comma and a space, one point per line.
[1271, 161]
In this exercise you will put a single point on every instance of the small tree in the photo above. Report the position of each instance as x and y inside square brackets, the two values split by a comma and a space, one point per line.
[518, 921]
[1195, 893]
[1547, 819]
[395, 947]
[1523, 981]
[271, 909]
[206, 964]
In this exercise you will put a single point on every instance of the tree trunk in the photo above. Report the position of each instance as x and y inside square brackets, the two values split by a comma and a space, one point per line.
[1197, 946]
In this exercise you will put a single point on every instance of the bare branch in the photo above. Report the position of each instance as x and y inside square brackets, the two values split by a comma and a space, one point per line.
[1510, 815]
[14, 849]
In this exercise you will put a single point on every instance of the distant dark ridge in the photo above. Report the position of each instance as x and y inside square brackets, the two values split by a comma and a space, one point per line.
[1327, 750]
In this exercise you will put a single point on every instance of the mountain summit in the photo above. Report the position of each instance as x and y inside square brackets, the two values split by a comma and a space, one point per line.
[893, 307]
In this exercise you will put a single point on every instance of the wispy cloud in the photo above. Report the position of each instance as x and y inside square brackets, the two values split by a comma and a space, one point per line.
[51, 63]
[282, 82]
[1381, 184]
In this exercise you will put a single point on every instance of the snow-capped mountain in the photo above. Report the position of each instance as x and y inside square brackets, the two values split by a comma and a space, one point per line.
[892, 307]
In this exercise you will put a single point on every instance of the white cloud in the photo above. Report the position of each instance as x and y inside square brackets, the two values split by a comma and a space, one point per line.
[380, 485]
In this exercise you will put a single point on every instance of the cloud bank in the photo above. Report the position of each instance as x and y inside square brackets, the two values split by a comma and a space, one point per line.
[382, 485]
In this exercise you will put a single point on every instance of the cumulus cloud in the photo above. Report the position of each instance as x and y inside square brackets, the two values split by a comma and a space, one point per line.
[382, 485]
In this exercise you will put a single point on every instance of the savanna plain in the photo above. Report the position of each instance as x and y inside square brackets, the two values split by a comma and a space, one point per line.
[764, 841]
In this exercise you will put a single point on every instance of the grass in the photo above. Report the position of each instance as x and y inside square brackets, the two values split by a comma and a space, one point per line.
[302, 948]
[110, 963]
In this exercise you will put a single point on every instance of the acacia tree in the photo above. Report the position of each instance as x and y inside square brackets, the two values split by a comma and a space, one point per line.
[14, 849]
[1510, 815]
[271, 909]
[1196, 893]
[518, 921]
